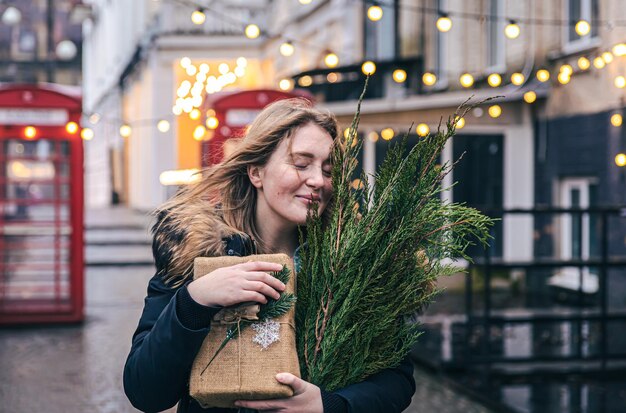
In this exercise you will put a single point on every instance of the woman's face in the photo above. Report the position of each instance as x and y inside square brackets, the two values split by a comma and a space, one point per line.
[294, 177]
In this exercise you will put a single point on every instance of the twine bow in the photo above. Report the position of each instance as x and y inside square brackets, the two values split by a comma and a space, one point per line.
[232, 315]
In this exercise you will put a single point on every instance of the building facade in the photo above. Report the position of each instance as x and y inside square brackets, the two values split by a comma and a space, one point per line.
[142, 59]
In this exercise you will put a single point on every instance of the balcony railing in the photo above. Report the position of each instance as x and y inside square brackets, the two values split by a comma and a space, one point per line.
[346, 82]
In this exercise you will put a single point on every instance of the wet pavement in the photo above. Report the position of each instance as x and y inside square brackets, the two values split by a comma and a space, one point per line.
[79, 368]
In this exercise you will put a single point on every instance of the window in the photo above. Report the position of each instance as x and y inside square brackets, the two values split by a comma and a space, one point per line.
[580, 10]
[495, 36]
[578, 238]
[380, 41]
[440, 65]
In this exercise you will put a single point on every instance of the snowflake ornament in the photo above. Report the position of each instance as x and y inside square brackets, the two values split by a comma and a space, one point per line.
[266, 333]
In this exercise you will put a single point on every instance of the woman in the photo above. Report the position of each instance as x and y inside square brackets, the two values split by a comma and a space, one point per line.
[252, 203]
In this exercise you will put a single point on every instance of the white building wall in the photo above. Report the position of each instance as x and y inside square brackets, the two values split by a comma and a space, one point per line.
[110, 39]
[150, 151]
[519, 189]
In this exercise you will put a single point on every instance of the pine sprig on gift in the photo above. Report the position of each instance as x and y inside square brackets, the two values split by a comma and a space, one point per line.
[366, 275]
[272, 309]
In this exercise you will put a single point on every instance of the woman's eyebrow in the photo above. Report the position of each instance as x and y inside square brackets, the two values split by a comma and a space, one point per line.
[308, 155]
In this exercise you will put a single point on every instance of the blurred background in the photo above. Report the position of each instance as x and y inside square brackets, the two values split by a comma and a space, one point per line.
[107, 107]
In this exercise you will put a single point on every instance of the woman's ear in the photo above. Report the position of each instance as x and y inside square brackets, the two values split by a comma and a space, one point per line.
[255, 175]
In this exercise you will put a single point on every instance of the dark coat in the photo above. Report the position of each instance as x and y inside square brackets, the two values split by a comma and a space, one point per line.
[156, 374]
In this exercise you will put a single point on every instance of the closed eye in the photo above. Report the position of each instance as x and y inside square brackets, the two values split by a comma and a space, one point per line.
[302, 167]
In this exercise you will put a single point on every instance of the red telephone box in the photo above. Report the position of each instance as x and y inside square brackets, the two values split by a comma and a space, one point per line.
[41, 205]
[232, 114]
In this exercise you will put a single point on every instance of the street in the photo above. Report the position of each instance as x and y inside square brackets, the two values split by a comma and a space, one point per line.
[66, 369]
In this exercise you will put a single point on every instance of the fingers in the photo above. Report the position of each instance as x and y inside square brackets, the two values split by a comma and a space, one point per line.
[262, 288]
[263, 405]
[298, 385]
[265, 278]
[253, 296]
[260, 266]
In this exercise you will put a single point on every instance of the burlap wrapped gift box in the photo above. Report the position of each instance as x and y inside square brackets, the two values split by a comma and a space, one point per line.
[243, 370]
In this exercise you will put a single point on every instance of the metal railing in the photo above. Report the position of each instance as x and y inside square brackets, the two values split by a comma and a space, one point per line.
[581, 315]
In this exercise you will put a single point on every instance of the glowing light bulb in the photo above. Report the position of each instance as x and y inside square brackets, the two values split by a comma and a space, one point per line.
[422, 129]
[598, 62]
[71, 127]
[444, 24]
[287, 49]
[125, 131]
[620, 159]
[195, 114]
[607, 57]
[86, 134]
[543, 75]
[494, 80]
[582, 27]
[374, 13]
[368, 68]
[223, 68]
[198, 17]
[567, 69]
[619, 49]
[191, 70]
[305, 81]
[564, 78]
[285, 84]
[620, 82]
[399, 75]
[583, 63]
[331, 60]
[252, 31]
[530, 96]
[459, 122]
[212, 122]
[616, 120]
[517, 79]
[466, 80]
[512, 30]
[494, 111]
[429, 79]
[163, 126]
[30, 132]
[199, 132]
[387, 134]
[184, 62]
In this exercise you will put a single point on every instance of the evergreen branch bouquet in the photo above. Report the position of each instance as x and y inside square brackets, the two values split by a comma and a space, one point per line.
[366, 274]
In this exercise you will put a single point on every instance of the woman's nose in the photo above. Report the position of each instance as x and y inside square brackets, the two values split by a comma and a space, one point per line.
[315, 178]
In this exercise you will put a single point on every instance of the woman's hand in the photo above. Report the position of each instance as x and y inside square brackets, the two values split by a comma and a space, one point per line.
[307, 398]
[236, 284]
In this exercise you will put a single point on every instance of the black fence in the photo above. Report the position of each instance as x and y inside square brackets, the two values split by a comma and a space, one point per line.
[544, 334]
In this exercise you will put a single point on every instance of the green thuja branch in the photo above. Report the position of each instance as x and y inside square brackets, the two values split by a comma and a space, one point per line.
[369, 269]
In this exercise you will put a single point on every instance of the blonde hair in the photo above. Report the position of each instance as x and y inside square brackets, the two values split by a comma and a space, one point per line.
[227, 184]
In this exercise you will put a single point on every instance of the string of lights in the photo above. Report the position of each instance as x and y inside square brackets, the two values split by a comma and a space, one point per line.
[597, 60]
[535, 21]
[512, 31]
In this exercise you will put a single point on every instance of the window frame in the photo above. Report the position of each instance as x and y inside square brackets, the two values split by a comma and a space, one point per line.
[495, 30]
[584, 42]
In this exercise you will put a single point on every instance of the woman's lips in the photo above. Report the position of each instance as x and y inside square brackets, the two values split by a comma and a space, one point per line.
[308, 199]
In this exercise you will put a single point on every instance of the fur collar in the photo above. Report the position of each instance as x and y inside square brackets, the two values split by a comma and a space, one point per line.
[181, 236]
